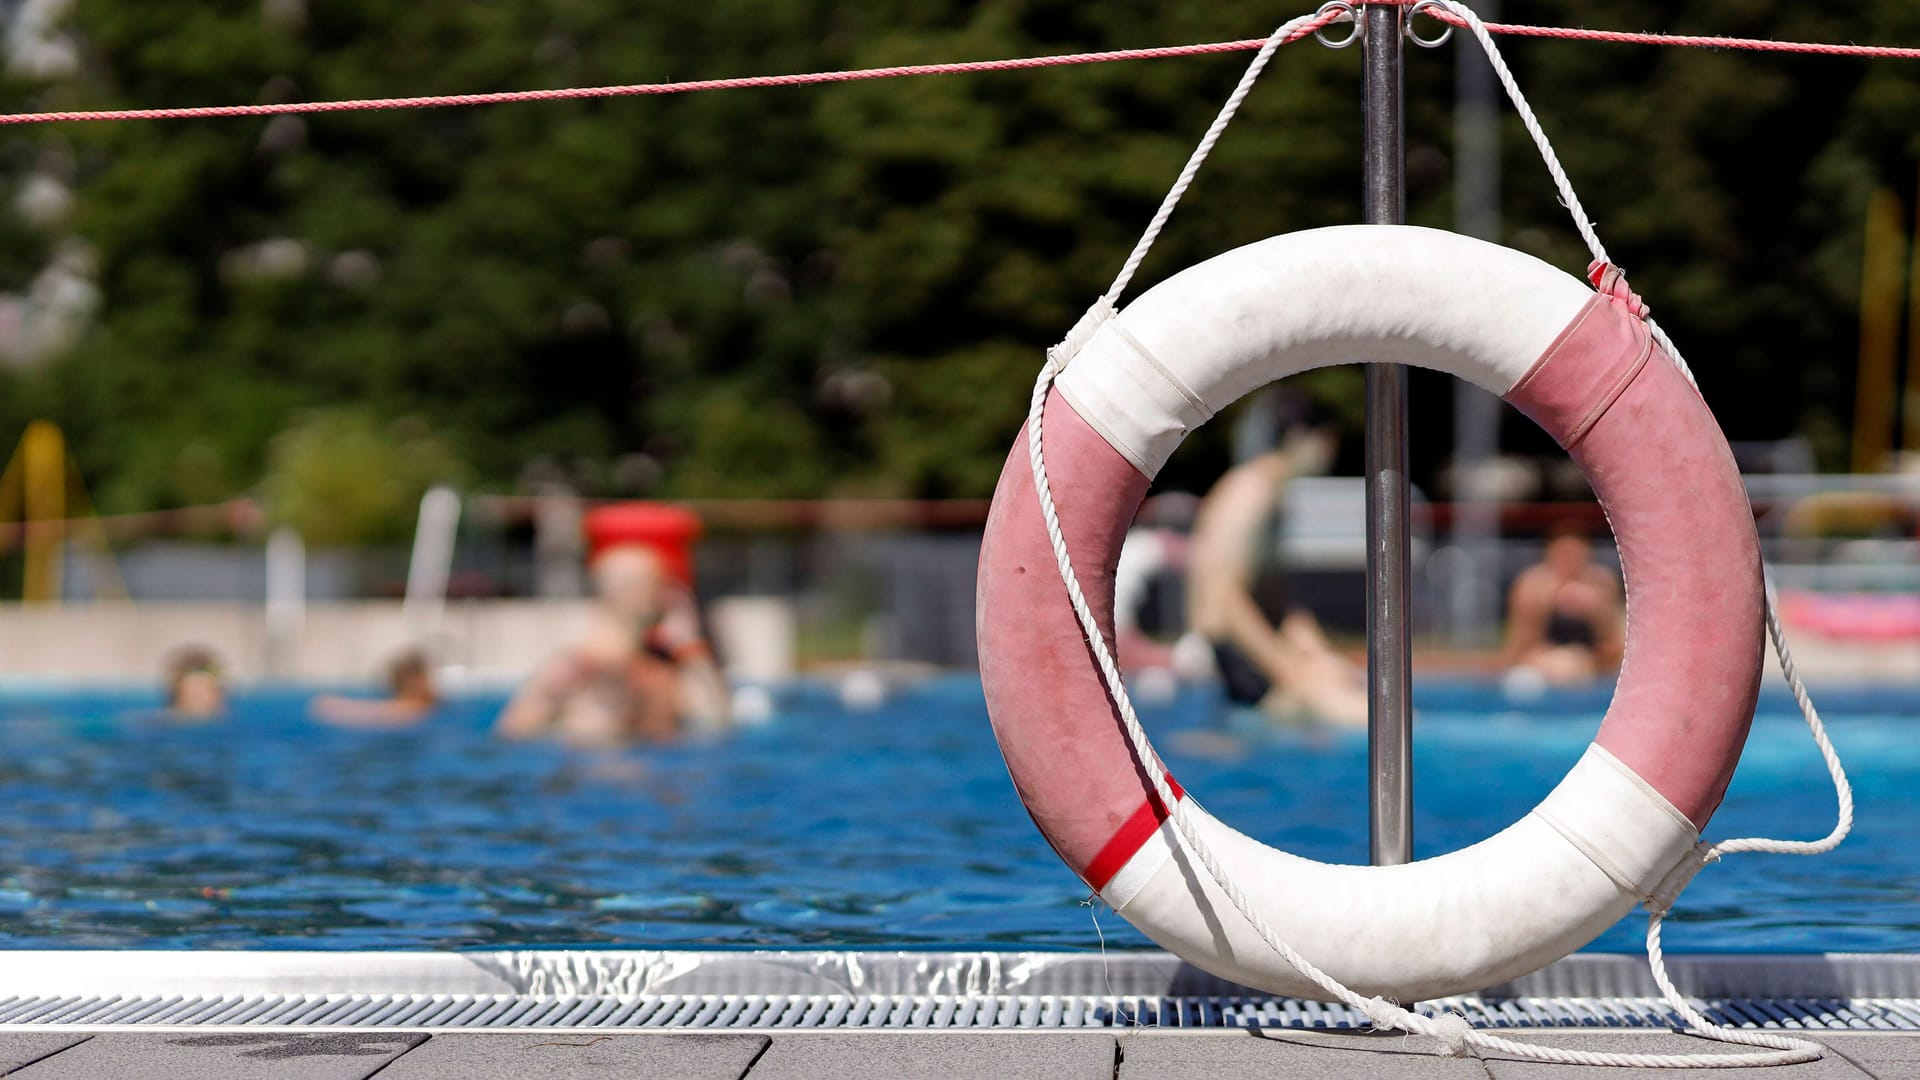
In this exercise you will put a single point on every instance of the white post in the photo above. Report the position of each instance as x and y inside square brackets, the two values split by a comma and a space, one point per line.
[286, 599]
[557, 553]
[432, 564]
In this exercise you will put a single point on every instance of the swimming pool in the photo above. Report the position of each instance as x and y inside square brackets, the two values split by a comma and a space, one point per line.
[826, 827]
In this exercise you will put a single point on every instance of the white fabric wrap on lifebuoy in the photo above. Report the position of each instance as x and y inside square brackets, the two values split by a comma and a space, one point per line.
[1215, 333]
[1600, 843]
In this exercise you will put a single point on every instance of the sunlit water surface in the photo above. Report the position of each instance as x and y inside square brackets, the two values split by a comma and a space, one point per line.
[825, 827]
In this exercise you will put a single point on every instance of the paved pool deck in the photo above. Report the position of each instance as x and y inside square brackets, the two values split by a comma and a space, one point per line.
[778, 1015]
[907, 1055]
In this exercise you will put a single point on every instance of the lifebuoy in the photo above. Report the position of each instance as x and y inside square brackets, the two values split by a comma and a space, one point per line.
[1583, 365]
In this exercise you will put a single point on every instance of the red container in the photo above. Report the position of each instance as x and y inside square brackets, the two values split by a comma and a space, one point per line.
[670, 531]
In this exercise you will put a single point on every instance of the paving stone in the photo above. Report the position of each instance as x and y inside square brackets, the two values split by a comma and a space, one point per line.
[1286, 1055]
[1831, 1067]
[224, 1056]
[18, 1048]
[1887, 1057]
[1040, 1055]
[577, 1055]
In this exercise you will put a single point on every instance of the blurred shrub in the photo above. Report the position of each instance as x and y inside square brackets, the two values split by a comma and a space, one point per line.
[341, 477]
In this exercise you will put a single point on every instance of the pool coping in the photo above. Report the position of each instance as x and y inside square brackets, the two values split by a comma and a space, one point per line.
[604, 990]
[631, 972]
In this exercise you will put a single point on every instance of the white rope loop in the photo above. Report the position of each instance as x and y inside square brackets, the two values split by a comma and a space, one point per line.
[1289, 31]
[1568, 198]
[1456, 1035]
[1105, 307]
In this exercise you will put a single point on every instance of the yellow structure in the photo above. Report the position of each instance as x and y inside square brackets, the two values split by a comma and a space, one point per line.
[1878, 392]
[40, 485]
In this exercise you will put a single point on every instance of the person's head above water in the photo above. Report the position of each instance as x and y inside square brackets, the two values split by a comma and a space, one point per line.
[1569, 551]
[628, 579]
[410, 677]
[194, 684]
[1305, 431]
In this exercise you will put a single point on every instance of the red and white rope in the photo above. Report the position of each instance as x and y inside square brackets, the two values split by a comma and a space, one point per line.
[964, 67]
[1692, 41]
[747, 82]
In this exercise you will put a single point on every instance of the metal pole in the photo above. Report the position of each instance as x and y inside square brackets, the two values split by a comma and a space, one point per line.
[1389, 670]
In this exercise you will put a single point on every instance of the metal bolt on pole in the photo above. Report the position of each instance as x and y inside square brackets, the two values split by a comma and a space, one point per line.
[1389, 567]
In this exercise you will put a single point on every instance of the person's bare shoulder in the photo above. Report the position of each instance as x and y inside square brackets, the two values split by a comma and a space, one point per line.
[1535, 583]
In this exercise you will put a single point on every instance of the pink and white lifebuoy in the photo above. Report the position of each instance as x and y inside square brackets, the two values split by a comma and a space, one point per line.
[1582, 364]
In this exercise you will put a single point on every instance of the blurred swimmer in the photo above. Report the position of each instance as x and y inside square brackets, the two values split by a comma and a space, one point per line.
[195, 687]
[644, 632]
[411, 698]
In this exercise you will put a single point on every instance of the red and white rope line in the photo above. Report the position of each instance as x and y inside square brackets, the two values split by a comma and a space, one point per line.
[1692, 41]
[964, 67]
[749, 82]
[1455, 1034]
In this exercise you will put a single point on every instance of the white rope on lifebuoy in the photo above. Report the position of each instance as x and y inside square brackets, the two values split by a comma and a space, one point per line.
[1454, 1032]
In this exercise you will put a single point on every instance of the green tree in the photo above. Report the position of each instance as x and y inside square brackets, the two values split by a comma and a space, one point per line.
[340, 477]
[847, 288]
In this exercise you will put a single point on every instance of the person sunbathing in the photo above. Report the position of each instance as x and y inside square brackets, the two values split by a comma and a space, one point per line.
[1269, 649]
[1565, 620]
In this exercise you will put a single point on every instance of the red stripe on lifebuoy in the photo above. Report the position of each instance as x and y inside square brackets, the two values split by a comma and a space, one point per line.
[1130, 836]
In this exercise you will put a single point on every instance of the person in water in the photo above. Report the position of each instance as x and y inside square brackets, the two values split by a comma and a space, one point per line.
[1269, 651]
[641, 672]
[1565, 620]
[195, 688]
[411, 698]
[613, 708]
[1152, 557]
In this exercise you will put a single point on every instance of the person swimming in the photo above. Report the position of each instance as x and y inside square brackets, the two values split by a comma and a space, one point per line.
[1565, 621]
[196, 690]
[609, 708]
[411, 698]
[1269, 650]
[643, 632]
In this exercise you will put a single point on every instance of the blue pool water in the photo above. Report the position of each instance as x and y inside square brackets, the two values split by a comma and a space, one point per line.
[826, 827]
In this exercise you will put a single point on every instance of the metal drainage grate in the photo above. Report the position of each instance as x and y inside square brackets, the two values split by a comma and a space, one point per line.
[879, 1011]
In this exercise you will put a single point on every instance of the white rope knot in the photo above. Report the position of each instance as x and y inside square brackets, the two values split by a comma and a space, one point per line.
[1668, 891]
[1090, 323]
[1454, 1032]
[1385, 1015]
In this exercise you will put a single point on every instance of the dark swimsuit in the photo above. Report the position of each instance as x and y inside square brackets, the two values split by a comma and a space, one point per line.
[1564, 629]
[1243, 680]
